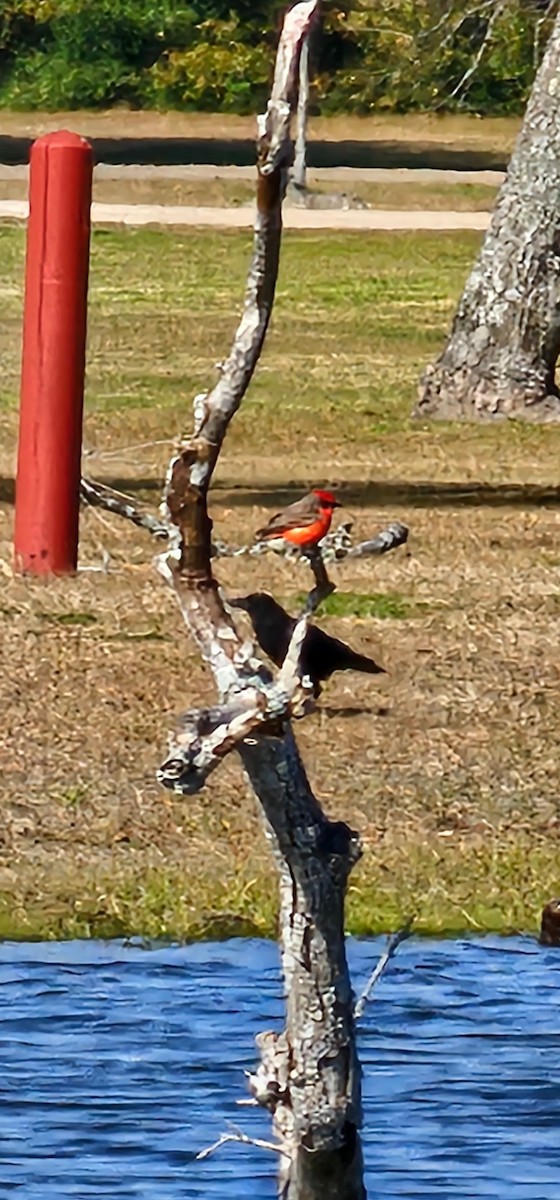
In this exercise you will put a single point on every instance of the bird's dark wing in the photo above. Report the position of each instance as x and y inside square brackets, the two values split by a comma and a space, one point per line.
[323, 654]
[295, 516]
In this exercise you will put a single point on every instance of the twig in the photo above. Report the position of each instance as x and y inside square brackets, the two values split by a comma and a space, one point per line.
[237, 1135]
[323, 585]
[290, 679]
[98, 495]
[395, 534]
[498, 10]
[120, 451]
[427, 34]
[392, 945]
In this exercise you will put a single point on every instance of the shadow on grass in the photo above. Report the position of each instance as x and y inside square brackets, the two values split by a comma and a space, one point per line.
[350, 710]
[241, 152]
[374, 493]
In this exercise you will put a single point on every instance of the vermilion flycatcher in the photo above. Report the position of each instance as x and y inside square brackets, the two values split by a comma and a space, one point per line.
[320, 654]
[304, 523]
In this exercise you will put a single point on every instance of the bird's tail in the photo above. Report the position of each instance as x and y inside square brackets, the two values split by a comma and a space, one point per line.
[360, 662]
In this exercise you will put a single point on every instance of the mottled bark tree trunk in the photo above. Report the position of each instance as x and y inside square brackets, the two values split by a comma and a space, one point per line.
[309, 1076]
[501, 355]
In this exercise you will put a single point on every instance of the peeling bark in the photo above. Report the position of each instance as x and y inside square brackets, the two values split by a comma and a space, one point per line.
[501, 355]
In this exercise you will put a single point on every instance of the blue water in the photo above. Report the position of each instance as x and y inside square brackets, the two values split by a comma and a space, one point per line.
[117, 1064]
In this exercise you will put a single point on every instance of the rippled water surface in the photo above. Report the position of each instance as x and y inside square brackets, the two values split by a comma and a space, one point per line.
[118, 1063]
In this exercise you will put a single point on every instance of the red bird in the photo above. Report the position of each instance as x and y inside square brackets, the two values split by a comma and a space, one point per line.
[304, 523]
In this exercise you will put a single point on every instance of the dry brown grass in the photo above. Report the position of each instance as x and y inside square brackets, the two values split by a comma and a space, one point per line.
[449, 766]
[450, 763]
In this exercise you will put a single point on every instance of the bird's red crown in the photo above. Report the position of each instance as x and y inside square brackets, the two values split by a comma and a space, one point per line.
[327, 499]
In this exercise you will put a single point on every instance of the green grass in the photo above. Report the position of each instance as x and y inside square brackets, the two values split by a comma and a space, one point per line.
[464, 754]
[356, 319]
[381, 605]
[494, 886]
[219, 192]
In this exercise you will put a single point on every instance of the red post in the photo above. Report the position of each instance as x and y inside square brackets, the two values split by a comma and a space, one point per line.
[54, 338]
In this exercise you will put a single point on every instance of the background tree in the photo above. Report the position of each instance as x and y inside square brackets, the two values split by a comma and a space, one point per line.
[501, 355]
[215, 54]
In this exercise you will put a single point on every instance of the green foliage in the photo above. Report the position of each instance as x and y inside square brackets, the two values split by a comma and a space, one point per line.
[79, 53]
[221, 72]
[216, 54]
[415, 54]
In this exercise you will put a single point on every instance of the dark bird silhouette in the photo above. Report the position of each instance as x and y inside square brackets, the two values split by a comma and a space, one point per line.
[321, 654]
[303, 523]
[550, 924]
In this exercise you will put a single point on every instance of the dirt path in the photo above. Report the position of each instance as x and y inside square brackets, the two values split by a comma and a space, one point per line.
[242, 217]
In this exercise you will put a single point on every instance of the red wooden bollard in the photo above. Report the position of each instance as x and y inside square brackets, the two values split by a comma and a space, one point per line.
[53, 363]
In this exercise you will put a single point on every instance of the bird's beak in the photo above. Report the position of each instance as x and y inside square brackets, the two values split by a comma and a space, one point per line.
[337, 504]
[239, 602]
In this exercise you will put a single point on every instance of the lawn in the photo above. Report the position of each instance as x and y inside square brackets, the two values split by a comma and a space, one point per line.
[449, 766]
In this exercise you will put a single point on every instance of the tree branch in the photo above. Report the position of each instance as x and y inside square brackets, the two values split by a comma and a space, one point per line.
[392, 946]
[237, 1135]
[337, 545]
[494, 16]
[299, 173]
[98, 495]
[323, 586]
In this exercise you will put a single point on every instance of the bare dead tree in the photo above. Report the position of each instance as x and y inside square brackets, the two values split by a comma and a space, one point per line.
[308, 1078]
[500, 358]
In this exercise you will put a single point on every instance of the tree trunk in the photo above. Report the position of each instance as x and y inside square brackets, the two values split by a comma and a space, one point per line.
[309, 1076]
[501, 355]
